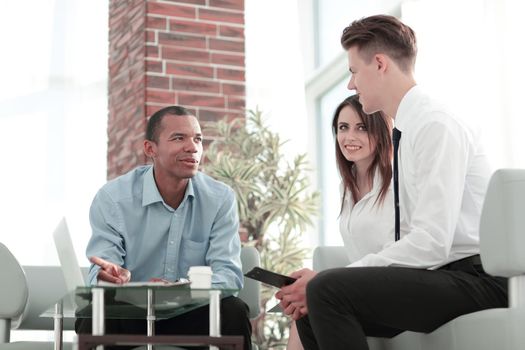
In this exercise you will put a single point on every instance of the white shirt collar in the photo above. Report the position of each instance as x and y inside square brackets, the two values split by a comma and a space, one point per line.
[408, 102]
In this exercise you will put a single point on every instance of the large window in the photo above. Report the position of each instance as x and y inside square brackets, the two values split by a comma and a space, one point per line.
[329, 177]
[334, 15]
[53, 116]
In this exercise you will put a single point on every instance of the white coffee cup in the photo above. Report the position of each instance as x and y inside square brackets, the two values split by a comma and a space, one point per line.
[200, 277]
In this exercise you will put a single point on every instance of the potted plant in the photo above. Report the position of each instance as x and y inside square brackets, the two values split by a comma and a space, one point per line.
[274, 200]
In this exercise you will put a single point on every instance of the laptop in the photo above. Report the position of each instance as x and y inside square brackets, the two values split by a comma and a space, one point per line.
[68, 259]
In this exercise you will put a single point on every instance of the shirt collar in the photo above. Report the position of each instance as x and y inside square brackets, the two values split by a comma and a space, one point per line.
[408, 102]
[374, 191]
[376, 186]
[150, 191]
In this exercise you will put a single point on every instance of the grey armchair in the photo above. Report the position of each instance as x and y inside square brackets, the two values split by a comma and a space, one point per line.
[14, 296]
[251, 291]
[502, 241]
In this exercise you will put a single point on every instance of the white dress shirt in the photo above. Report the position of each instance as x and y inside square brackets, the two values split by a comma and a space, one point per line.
[443, 177]
[367, 226]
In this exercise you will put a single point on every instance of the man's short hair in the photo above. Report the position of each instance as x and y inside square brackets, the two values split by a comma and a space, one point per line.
[382, 34]
[155, 121]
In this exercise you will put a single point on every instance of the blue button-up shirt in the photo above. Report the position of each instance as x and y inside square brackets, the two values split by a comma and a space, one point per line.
[134, 228]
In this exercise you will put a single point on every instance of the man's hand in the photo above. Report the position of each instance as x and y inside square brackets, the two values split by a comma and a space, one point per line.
[110, 272]
[293, 296]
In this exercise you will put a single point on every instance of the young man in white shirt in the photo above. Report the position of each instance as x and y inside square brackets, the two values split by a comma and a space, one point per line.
[433, 273]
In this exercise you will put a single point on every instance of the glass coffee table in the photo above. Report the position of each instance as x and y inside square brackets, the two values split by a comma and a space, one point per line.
[151, 302]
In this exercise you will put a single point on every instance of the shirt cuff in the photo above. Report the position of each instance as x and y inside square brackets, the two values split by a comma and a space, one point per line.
[358, 263]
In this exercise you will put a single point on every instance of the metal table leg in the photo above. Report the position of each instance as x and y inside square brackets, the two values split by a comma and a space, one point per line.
[58, 325]
[98, 313]
[151, 316]
[215, 315]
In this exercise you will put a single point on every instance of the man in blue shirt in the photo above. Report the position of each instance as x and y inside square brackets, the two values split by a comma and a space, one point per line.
[156, 221]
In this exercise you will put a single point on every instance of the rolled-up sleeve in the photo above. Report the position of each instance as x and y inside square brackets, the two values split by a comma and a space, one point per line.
[224, 251]
[106, 240]
[431, 197]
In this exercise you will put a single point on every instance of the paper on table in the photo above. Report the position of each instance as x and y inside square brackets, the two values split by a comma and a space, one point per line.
[180, 282]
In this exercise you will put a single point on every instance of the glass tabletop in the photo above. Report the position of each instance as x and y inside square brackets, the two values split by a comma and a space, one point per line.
[131, 302]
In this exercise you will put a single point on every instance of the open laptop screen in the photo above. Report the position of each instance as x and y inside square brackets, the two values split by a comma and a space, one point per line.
[68, 259]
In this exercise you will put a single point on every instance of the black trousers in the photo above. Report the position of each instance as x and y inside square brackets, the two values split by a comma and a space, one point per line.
[345, 305]
[234, 321]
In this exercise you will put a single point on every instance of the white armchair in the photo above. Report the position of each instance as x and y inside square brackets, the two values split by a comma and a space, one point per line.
[502, 240]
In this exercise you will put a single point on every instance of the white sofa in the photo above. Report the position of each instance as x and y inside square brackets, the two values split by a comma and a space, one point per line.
[502, 241]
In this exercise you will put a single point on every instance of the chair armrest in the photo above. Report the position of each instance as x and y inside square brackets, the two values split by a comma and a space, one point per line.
[329, 257]
[251, 291]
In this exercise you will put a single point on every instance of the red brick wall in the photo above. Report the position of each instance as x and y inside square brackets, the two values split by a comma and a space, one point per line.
[185, 52]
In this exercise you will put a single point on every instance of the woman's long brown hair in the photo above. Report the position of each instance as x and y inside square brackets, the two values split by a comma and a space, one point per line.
[379, 130]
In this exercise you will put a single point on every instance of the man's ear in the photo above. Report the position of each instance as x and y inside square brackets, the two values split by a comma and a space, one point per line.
[382, 61]
[150, 149]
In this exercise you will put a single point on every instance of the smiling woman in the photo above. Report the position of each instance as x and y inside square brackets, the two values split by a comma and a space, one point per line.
[353, 139]
[363, 152]
[362, 148]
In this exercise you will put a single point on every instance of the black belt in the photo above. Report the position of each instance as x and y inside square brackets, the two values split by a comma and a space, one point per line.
[474, 260]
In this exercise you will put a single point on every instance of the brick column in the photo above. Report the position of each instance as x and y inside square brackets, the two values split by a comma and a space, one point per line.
[186, 52]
